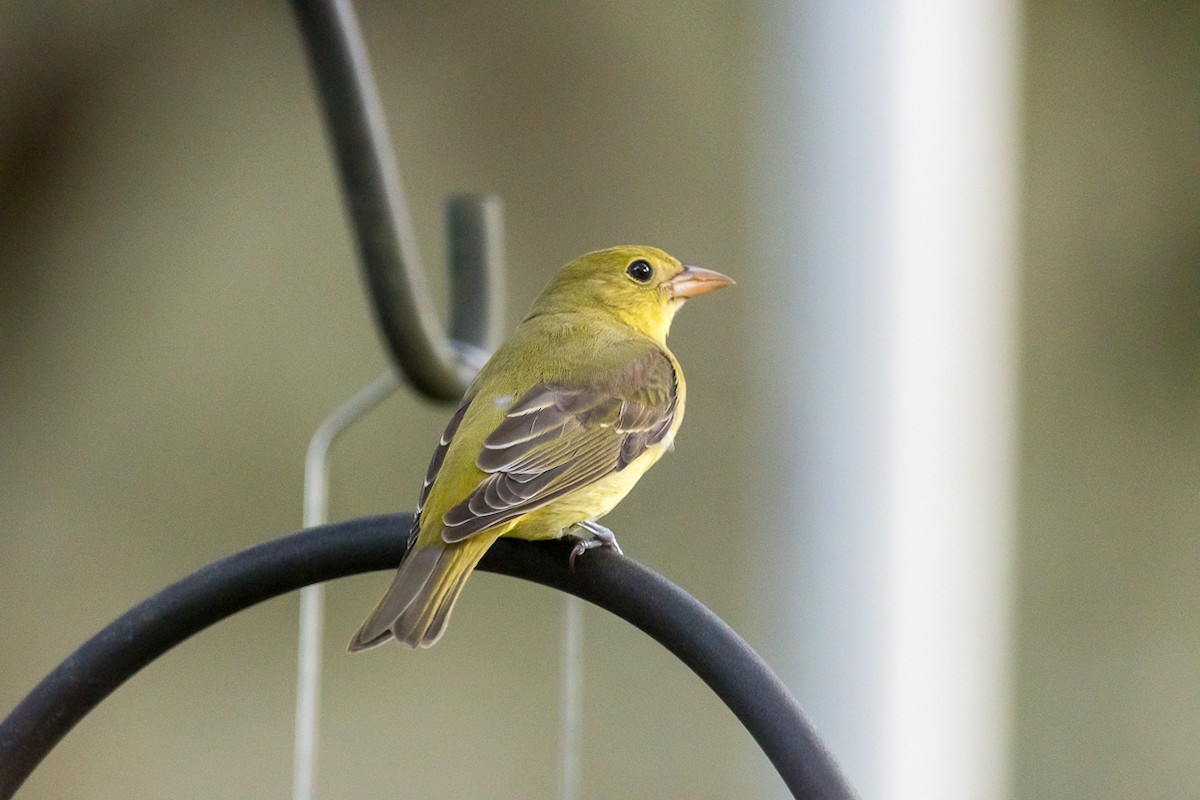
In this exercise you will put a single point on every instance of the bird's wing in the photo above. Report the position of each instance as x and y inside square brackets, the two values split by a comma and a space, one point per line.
[558, 438]
[435, 463]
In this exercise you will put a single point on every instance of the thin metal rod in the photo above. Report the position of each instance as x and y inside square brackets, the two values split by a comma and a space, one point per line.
[382, 224]
[308, 692]
[316, 460]
[571, 747]
[312, 598]
[637, 594]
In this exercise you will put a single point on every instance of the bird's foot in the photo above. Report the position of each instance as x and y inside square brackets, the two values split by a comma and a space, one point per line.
[595, 535]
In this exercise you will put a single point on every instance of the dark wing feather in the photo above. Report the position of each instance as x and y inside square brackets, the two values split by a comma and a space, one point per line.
[558, 438]
[435, 464]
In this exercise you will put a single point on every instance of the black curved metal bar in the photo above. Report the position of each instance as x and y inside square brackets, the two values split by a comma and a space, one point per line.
[383, 229]
[622, 586]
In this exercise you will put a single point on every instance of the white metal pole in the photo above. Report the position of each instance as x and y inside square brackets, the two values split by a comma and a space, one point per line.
[883, 210]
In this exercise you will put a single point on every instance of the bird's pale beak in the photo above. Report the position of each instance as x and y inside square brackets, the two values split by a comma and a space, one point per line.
[696, 280]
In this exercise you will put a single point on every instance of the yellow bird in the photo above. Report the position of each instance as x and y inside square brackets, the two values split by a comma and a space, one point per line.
[564, 419]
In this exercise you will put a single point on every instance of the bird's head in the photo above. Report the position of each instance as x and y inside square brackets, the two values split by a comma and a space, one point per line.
[641, 286]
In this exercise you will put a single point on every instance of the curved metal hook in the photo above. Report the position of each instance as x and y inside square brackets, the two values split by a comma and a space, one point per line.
[637, 594]
[437, 366]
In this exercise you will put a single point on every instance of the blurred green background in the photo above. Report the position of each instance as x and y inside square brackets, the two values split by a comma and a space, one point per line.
[180, 306]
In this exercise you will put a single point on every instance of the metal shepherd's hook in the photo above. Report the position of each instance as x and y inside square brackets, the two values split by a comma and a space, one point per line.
[438, 366]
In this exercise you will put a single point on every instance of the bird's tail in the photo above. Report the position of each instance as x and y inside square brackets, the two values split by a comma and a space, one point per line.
[419, 602]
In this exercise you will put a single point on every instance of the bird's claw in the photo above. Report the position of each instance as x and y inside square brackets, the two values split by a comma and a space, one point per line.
[596, 536]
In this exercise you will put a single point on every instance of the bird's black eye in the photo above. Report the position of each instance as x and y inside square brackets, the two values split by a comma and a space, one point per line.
[640, 270]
